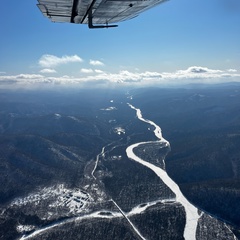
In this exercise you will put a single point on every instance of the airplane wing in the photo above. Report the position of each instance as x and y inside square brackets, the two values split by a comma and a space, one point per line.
[94, 12]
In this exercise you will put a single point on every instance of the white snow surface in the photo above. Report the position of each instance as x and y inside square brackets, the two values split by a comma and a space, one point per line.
[96, 163]
[98, 214]
[144, 206]
[119, 130]
[73, 199]
[25, 228]
[129, 221]
[157, 130]
[108, 109]
[102, 214]
[75, 119]
[57, 115]
[192, 215]
[101, 154]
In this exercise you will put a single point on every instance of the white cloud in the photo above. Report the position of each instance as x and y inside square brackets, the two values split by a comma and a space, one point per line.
[195, 70]
[86, 70]
[96, 63]
[29, 76]
[48, 70]
[98, 71]
[95, 77]
[2, 72]
[196, 74]
[22, 79]
[232, 70]
[52, 61]
[22, 76]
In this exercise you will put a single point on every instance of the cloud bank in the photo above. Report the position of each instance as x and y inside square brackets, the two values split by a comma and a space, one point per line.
[193, 74]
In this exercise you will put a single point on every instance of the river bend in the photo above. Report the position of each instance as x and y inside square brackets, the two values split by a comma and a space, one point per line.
[192, 215]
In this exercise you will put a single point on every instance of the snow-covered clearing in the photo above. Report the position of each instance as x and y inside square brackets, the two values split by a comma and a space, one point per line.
[57, 196]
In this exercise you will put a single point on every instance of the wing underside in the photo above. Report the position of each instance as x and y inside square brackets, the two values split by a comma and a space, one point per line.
[102, 11]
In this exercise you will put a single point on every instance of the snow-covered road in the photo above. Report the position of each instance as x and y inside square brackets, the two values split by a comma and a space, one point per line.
[129, 221]
[192, 215]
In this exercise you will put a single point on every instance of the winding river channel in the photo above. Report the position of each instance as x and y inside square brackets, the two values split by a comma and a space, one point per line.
[192, 215]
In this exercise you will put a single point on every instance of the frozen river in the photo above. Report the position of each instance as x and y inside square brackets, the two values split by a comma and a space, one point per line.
[192, 215]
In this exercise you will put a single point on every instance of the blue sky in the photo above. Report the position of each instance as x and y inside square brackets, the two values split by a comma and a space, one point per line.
[179, 41]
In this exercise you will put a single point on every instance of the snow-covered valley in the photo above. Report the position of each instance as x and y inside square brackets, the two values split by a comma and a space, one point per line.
[105, 176]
